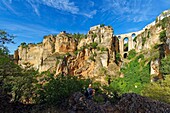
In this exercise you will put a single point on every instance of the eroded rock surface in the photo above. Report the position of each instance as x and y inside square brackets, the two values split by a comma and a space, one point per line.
[69, 55]
[128, 103]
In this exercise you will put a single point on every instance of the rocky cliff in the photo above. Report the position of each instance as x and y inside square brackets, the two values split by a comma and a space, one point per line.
[152, 41]
[95, 54]
[72, 54]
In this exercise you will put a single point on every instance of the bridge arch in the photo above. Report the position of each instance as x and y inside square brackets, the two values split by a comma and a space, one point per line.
[125, 44]
[133, 35]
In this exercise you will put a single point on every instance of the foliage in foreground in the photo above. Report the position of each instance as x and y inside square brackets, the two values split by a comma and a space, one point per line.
[56, 90]
[136, 76]
[16, 81]
[159, 90]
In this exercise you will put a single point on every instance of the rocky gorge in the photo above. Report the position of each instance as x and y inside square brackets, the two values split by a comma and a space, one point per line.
[90, 55]
[52, 76]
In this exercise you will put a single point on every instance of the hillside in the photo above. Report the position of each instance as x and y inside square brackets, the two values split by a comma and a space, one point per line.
[55, 75]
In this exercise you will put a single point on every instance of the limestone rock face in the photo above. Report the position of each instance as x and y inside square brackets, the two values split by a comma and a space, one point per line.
[67, 55]
[155, 67]
[167, 48]
[64, 43]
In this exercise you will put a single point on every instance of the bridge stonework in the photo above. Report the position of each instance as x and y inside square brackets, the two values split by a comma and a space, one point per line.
[131, 43]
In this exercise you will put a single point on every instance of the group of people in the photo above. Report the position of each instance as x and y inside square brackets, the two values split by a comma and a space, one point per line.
[89, 92]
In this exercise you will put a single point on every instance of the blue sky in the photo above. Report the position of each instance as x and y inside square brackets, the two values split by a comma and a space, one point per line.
[30, 20]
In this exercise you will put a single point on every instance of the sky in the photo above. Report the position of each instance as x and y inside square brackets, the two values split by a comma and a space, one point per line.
[30, 20]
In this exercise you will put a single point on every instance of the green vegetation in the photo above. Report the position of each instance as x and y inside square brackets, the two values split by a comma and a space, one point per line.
[24, 45]
[159, 90]
[148, 35]
[94, 35]
[78, 36]
[76, 52]
[102, 25]
[92, 58]
[126, 47]
[5, 38]
[117, 58]
[56, 90]
[94, 45]
[15, 81]
[132, 54]
[135, 39]
[165, 65]
[31, 87]
[156, 46]
[143, 41]
[98, 99]
[136, 76]
[102, 49]
[156, 19]
[162, 36]
[163, 23]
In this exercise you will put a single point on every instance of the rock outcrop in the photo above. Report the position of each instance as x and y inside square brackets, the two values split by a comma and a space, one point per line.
[93, 54]
[128, 103]
[167, 48]
[77, 103]
[67, 54]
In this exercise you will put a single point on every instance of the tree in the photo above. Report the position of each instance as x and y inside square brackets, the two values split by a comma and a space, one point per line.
[102, 25]
[5, 38]
[162, 36]
[57, 89]
[165, 65]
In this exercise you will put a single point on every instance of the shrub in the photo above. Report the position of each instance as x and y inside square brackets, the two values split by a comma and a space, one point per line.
[156, 46]
[162, 36]
[136, 76]
[16, 81]
[135, 39]
[103, 49]
[24, 45]
[56, 90]
[132, 54]
[94, 35]
[94, 45]
[159, 90]
[102, 25]
[148, 36]
[76, 52]
[143, 41]
[118, 58]
[92, 58]
[164, 22]
[99, 98]
[165, 65]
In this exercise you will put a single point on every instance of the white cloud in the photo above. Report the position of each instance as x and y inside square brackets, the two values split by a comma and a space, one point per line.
[62, 5]
[90, 14]
[7, 4]
[132, 10]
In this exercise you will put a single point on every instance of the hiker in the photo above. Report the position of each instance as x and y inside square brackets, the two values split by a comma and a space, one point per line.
[89, 92]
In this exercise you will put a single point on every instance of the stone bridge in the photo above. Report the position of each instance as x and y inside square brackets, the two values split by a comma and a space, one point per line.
[127, 38]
